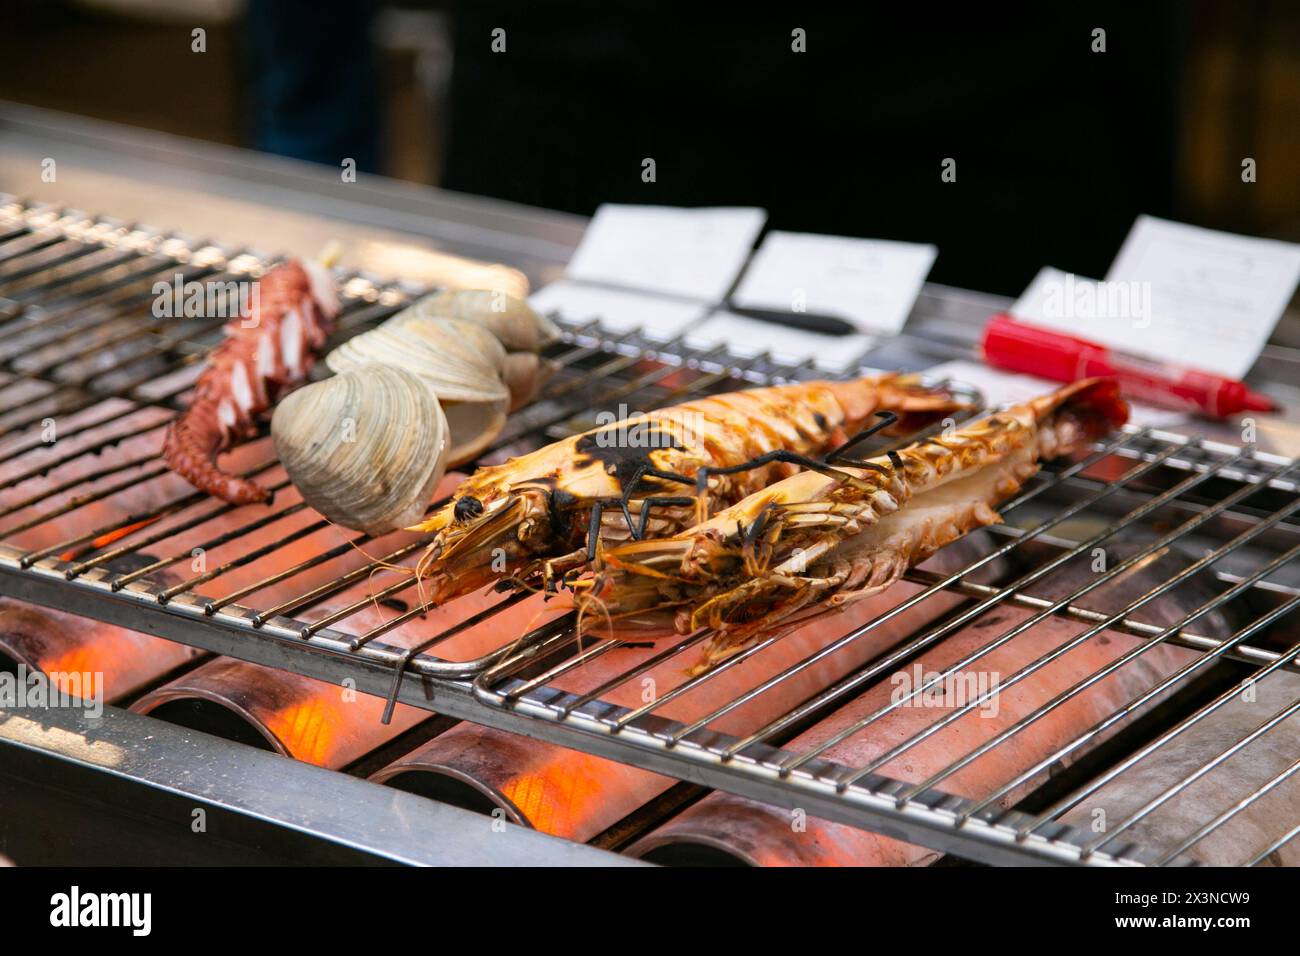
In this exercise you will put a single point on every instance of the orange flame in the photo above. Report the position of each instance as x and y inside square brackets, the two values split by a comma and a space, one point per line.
[560, 798]
[306, 728]
[104, 540]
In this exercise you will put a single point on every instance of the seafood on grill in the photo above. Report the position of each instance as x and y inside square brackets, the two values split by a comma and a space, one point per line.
[263, 356]
[818, 540]
[459, 362]
[538, 516]
[463, 354]
[524, 374]
[440, 321]
[522, 330]
[366, 449]
[515, 324]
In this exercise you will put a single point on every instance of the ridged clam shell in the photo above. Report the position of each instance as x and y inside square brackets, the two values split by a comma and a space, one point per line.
[453, 338]
[455, 359]
[513, 321]
[365, 448]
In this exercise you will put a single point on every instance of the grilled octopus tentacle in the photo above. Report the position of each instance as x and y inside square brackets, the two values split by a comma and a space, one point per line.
[262, 357]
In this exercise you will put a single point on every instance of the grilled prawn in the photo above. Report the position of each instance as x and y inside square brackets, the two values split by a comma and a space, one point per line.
[541, 514]
[816, 541]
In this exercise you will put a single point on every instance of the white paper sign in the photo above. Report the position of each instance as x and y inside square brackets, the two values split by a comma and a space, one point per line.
[1175, 293]
[618, 310]
[871, 282]
[746, 337]
[1006, 388]
[1215, 297]
[687, 252]
[1044, 301]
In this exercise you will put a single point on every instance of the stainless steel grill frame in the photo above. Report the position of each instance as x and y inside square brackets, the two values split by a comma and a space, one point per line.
[63, 262]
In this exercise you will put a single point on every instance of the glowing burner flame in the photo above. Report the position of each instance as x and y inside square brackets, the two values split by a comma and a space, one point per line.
[104, 540]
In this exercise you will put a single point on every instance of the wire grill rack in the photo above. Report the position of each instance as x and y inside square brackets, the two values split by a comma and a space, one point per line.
[91, 522]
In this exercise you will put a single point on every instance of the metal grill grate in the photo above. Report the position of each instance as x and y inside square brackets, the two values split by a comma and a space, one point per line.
[92, 522]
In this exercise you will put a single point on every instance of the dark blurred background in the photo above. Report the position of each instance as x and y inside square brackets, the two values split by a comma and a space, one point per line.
[1057, 147]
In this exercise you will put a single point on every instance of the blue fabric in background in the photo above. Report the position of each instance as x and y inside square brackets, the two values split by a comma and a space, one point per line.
[313, 80]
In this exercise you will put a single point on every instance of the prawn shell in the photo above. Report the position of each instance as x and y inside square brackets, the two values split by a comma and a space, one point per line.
[557, 484]
[813, 542]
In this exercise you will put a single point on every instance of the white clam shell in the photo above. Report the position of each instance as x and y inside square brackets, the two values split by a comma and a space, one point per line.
[471, 427]
[518, 326]
[450, 356]
[452, 339]
[524, 374]
[460, 362]
[365, 448]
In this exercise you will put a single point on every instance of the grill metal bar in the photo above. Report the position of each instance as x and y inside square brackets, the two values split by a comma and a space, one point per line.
[293, 605]
[110, 296]
[91, 426]
[414, 612]
[842, 688]
[61, 263]
[124, 307]
[604, 688]
[1092, 787]
[248, 557]
[44, 467]
[29, 248]
[767, 733]
[94, 398]
[1093, 678]
[1189, 639]
[1273, 847]
[1153, 693]
[160, 347]
[76, 503]
[1200, 772]
[112, 554]
[1242, 804]
[118, 293]
[1111, 575]
[87, 478]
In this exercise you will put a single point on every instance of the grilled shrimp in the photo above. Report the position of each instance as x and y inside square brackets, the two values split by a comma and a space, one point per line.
[816, 541]
[540, 514]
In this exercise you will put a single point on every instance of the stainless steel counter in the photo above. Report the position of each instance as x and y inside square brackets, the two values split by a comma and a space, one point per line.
[143, 792]
[218, 192]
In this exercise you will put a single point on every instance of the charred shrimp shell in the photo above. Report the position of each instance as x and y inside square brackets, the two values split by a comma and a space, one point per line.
[542, 513]
[814, 542]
